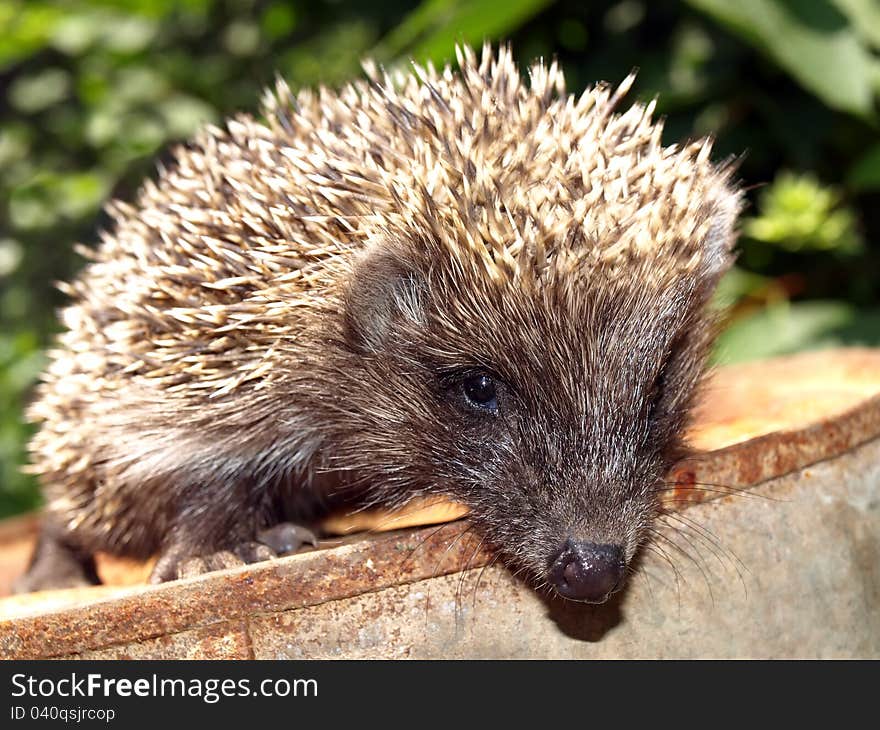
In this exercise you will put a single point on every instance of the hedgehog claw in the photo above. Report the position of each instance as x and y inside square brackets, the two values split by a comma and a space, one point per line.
[192, 567]
[287, 538]
[255, 552]
[243, 554]
[281, 539]
[205, 564]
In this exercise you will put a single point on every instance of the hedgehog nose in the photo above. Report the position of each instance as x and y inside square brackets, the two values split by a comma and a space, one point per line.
[585, 571]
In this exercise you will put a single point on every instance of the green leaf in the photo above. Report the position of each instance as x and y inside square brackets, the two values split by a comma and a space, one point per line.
[77, 32]
[865, 16]
[798, 213]
[26, 28]
[865, 173]
[183, 114]
[812, 41]
[130, 35]
[278, 20]
[430, 32]
[736, 285]
[80, 194]
[11, 254]
[785, 327]
[35, 93]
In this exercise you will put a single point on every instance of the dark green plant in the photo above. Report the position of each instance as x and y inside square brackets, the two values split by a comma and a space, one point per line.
[94, 92]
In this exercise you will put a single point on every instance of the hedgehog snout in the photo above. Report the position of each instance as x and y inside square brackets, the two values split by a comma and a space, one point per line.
[586, 571]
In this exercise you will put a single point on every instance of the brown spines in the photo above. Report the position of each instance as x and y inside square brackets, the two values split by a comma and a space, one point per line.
[242, 246]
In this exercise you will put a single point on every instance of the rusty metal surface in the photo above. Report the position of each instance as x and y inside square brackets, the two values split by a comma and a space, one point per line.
[295, 606]
[279, 585]
[789, 571]
[775, 454]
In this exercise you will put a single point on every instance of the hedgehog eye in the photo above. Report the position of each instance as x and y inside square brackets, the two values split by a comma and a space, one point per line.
[480, 392]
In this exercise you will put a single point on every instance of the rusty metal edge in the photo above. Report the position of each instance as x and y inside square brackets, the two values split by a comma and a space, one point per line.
[749, 463]
[391, 559]
[288, 583]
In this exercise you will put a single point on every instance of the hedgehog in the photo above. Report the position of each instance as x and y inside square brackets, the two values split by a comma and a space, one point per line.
[432, 283]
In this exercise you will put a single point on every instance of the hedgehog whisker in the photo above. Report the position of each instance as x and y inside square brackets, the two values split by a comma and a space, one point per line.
[714, 544]
[676, 574]
[708, 488]
[468, 528]
[459, 593]
[479, 578]
[690, 535]
[421, 543]
[686, 554]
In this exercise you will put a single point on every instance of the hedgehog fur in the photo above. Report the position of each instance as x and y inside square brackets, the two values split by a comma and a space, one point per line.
[292, 306]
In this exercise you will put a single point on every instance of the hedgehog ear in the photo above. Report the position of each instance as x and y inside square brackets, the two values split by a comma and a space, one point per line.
[382, 291]
[719, 241]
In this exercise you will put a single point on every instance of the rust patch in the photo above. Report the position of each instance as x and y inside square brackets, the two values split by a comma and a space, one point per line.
[228, 640]
[288, 583]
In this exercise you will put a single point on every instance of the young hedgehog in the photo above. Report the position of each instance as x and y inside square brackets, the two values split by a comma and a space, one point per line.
[440, 283]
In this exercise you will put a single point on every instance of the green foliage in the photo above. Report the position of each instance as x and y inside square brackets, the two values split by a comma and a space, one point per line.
[96, 91]
[864, 175]
[431, 31]
[785, 327]
[799, 214]
[827, 46]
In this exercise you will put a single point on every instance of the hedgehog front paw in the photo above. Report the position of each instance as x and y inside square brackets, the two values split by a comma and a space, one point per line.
[282, 539]
[219, 561]
[56, 564]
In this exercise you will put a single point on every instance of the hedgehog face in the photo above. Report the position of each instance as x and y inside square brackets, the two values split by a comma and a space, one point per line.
[528, 318]
[552, 411]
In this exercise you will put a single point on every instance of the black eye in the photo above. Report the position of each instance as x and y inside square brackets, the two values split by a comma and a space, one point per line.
[480, 392]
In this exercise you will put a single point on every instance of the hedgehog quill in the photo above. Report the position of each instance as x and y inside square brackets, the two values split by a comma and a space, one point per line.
[441, 282]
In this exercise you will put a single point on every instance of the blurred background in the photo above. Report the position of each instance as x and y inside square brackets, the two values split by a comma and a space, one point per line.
[93, 93]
